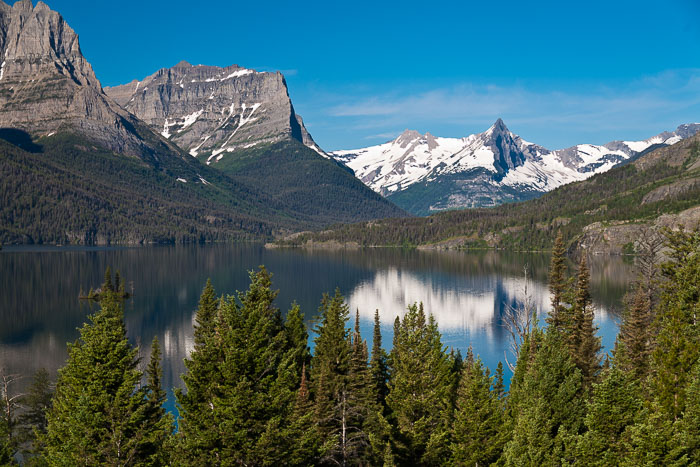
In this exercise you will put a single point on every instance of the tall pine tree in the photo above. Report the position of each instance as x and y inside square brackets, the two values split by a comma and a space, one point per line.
[678, 342]
[341, 385]
[478, 437]
[584, 343]
[252, 396]
[547, 403]
[558, 284]
[420, 389]
[100, 414]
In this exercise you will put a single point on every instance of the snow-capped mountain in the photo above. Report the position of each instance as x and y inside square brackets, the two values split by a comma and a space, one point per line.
[424, 173]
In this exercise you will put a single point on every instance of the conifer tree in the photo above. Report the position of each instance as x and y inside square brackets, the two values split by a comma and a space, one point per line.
[107, 285]
[585, 344]
[420, 389]
[118, 286]
[477, 432]
[558, 284]
[341, 385]
[686, 440]
[256, 375]
[612, 410]
[378, 364]
[678, 342]
[499, 388]
[161, 422]
[298, 338]
[198, 438]
[635, 339]
[99, 412]
[548, 406]
[303, 436]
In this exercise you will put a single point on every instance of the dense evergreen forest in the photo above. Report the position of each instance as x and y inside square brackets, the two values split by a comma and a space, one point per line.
[255, 395]
[664, 181]
[66, 189]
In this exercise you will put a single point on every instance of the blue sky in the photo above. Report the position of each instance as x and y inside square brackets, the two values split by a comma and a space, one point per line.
[558, 73]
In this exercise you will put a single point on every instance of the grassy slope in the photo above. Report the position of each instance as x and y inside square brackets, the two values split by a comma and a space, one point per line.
[611, 196]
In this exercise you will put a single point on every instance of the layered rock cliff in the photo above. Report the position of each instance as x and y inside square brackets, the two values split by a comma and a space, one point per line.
[210, 111]
[47, 85]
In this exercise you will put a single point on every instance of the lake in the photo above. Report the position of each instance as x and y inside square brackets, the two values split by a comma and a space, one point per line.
[467, 292]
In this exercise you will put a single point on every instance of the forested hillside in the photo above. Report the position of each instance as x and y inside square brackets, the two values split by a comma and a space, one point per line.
[664, 181]
[66, 189]
[304, 182]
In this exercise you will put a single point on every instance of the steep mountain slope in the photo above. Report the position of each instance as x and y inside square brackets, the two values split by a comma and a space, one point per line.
[605, 213]
[242, 122]
[66, 189]
[78, 168]
[210, 111]
[296, 177]
[424, 174]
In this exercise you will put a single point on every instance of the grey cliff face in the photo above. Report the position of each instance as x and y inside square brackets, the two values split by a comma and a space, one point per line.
[211, 111]
[47, 85]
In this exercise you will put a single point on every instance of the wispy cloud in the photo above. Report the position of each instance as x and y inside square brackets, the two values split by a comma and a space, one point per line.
[650, 103]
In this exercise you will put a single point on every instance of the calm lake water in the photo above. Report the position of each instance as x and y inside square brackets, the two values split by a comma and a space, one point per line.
[467, 292]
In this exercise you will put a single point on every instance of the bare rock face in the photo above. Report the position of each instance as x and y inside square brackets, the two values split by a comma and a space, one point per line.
[47, 85]
[210, 111]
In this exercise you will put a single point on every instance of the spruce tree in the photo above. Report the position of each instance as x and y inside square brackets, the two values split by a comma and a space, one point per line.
[156, 416]
[99, 412]
[635, 339]
[686, 440]
[198, 438]
[252, 396]
[303, 437]
[587, 353]
[678, 342]
[477, 431]
[341, 385]
[420, 390]
[557, 284]
[547, 403]
[378, 364]
[611, 412]
[107, 285]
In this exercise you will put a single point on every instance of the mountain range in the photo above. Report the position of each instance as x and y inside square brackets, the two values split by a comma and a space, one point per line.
[77, 167]
[424, 174]
[607, 213]
[205, 153]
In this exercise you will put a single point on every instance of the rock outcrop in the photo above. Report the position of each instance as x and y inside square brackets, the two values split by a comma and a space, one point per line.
[210, 111]
[47, 85]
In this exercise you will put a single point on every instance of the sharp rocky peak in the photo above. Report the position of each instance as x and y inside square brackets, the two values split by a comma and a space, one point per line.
[46, 84]
[498, 128]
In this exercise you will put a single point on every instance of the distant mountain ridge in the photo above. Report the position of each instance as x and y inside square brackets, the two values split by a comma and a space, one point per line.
[424, 173]
[607, 213]
[210, 111]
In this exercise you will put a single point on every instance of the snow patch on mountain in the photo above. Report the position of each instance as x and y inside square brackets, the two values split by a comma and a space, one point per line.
[512, 162]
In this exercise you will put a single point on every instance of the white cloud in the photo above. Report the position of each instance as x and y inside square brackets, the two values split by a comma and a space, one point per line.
[572, 114]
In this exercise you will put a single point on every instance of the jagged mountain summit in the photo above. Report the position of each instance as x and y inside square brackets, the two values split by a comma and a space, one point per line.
[47, 85]
[423, 173]
[210, 111]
